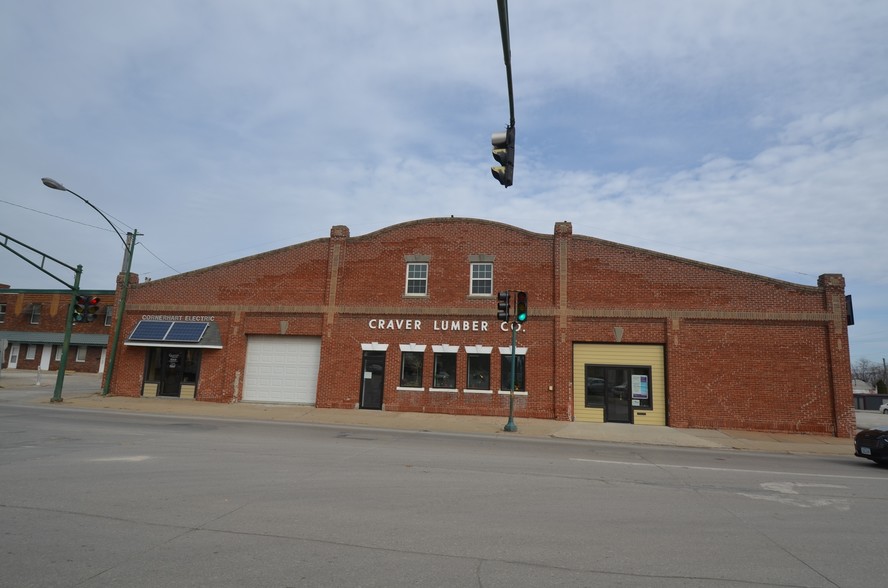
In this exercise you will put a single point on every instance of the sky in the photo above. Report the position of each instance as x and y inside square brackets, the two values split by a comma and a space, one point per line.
[747, 134]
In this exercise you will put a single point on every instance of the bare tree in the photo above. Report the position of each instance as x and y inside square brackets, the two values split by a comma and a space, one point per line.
[867, 371]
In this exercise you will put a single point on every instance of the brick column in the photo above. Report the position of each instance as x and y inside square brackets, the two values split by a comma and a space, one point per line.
[833, 286]
[562, 376]
[339, 235]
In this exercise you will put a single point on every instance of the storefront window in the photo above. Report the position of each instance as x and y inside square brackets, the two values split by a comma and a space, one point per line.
[445, 370]
[152, 365]
[411, 369]
[594, 386]
[506, 372]
[191, 366]
[172, 371]
[618, 386]
[478, 371]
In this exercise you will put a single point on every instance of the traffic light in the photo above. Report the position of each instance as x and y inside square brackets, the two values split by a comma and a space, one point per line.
[92, 308]
[504, 154]
[79, 309]
[502, 306]
[521, 307]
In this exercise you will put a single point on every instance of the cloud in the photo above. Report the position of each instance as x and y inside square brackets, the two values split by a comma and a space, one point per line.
[751, 135]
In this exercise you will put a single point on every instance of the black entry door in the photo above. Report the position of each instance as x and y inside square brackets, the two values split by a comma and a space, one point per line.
[618, 395]
[172, 364]
[372, 378]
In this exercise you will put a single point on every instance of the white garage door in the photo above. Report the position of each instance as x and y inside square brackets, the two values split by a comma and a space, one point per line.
[282, 369]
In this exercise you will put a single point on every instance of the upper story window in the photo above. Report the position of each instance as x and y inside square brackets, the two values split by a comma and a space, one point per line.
[417, 279]
[109, 315]
[35, 314]
[2, 313]
[482, 278]
[417, 282]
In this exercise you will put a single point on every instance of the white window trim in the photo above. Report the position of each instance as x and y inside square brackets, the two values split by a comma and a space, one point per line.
[36, 309]
[508, 351]
[412, 347]
[472, 279]
[425, 280]
[374, 346]
[481, 349]
[81, 354]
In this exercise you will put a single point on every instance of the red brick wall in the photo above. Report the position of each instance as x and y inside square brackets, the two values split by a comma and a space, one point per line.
[742, 351]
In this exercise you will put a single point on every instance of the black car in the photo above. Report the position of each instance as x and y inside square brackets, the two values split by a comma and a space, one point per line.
[872, 444]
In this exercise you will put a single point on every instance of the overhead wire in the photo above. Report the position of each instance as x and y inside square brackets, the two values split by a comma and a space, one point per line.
[92, 227]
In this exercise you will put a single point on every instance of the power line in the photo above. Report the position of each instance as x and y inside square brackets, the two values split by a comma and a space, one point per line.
[154, 255]
[56, 216]
[90, 226]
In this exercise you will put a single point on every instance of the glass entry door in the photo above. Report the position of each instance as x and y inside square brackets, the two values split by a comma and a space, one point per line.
[617, 401]
[170, 367]
[373, 376]
[618, 389]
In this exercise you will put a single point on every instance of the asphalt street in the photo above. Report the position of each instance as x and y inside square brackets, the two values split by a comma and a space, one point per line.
[116, 498]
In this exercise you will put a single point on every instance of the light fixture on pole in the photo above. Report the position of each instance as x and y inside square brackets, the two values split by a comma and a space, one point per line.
[129, 245]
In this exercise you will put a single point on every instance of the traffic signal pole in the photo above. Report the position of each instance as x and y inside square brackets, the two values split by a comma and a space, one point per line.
[506, 313]
[13, 246]
[504, 142]
[66, 340]
[511, 427]
[503, 8]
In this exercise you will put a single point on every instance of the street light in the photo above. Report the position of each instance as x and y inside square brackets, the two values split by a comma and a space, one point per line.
[129, 245]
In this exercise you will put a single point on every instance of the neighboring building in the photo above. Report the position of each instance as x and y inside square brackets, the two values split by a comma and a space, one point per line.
[404, 319]
[32, 322]
[861, 387]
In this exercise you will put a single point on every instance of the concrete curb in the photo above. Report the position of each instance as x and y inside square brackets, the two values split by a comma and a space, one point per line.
[82, 392]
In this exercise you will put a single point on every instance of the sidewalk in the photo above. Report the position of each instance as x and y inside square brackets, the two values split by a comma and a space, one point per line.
[81, 391]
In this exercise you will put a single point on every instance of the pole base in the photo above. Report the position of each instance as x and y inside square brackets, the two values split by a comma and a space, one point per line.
[510, 427]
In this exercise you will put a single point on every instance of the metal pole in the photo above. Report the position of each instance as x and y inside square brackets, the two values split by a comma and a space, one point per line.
[130, 247]
[66, 342]
[511, 427]
[503, 9]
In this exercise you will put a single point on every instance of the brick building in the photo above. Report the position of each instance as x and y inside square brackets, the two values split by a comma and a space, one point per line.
[32, 323]
[404, 319]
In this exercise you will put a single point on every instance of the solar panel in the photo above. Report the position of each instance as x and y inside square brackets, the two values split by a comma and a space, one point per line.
[186, 332]
[151, 330]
